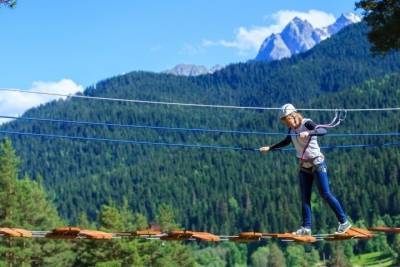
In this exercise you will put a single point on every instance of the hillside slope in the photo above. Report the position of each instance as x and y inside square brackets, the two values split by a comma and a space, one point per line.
[217, 190]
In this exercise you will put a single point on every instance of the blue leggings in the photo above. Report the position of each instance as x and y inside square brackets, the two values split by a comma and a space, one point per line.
[306, 177]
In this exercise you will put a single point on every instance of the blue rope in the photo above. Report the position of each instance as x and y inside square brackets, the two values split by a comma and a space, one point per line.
[348, 146]
[134, 142]
[141, 126]
[183, 145]
[364, 134]
[187, 129]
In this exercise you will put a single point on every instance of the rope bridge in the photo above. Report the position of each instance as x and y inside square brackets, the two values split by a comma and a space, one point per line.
[69, 233]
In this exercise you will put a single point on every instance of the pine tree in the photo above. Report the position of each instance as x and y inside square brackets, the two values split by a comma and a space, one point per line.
[260, 257]
[24, 204]
[396, 248]
[275, 256]
[8, 182]
[383, 16]
[338, 258]
[129, 252]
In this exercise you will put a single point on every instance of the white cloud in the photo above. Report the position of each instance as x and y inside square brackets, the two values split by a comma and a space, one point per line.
[16, 103]
[246, 40]
[249, 40]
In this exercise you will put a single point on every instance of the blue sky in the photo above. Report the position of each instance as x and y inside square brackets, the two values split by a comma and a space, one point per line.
[72, 44]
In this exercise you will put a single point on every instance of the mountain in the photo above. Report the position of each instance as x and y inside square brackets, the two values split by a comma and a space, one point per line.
[273, 48]
[215, 68]
[299, 36]
[343, 21]
[223, 191]
[192, 70]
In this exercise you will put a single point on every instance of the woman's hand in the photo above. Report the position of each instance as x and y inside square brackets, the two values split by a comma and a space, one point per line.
[264, 149]
[304, 135]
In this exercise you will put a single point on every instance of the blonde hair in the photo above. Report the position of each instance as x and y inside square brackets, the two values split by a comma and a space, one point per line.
[296, 114]
[299, 115]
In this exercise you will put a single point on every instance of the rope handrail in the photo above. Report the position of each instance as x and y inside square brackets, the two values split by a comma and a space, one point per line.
[189, 104]
[243, 132]
[126, 141]
[139, 142]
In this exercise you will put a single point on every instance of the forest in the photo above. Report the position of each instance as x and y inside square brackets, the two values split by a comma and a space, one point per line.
[111, 186]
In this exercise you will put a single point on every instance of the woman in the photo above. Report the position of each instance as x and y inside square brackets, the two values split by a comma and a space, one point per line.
[303, 134]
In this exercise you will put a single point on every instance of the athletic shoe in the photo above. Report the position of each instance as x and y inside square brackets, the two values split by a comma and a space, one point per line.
[343, 227]
[303, 231]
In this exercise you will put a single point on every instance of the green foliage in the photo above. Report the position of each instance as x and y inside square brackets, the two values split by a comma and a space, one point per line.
[225, 254]
[24, 204]
[218, 191]
[212, 256]
[383, 17]
[223, 191]
[128, 252]
[380, 259]
[237, 254]
[8, 177]
[379, 243]
[338, 258]
[8, 3]
[260, 257]
[166, 218]
[396, 248]
[275, 257]
[296, 255]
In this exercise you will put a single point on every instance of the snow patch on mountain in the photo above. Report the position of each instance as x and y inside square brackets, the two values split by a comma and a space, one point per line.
[299, 36]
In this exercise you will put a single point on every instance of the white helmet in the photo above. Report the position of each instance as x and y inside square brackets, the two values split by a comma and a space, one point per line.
[286, 110]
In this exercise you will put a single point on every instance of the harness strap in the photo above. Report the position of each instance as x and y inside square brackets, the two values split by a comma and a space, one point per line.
[335, 122]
